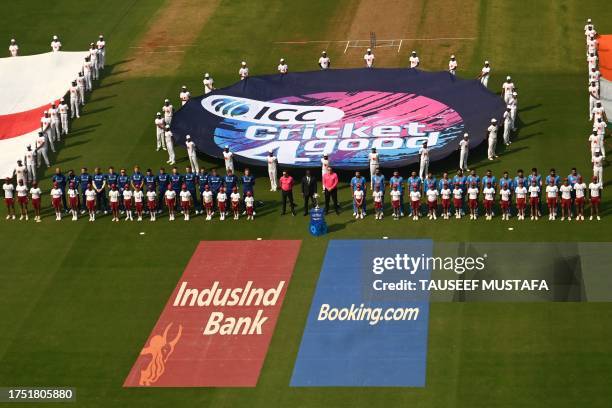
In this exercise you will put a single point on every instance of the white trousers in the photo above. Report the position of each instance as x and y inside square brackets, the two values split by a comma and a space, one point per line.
[81, 95]
[168, 119]
[463, 156]
[74, 108]
[507, 129]
[161, 140]
[64, 119]
[492, 145]
[272, 174]
[57, 134]
[598, 172]
[602, 146]
[591, 106]
[42, 153]
[423, 169]
[373, 168]
[49, 137]
[88, 81]
[101, 59]
[170, 148]
[31, 171]
[485, 80]
[513, 117]
[193, 159]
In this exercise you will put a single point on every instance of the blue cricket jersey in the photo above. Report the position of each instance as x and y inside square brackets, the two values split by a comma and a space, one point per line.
[190, 181]
[397, 181]
[248, 184]
[84, 180]
[378, 181]
[122, 180]
[150, 181]
[111, 178]
[230, 182]
[214, 182]
[163, 179]
[137, 179]
[176, 180]
[429, 184]
[60, 179]
[98, 180]
[358, 180]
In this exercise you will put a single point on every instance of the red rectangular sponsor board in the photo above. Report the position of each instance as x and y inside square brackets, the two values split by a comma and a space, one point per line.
[217, 325]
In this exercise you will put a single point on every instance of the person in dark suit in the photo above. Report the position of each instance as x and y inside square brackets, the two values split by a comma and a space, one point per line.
[309, 189]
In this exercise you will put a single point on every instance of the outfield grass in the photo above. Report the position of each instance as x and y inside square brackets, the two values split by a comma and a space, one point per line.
[79, 300]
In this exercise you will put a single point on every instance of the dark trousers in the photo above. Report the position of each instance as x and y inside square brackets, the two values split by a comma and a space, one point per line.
[64, 199]
[161, 204]
[333, 194]
[101, 200]
[288, 195]
[308, 197]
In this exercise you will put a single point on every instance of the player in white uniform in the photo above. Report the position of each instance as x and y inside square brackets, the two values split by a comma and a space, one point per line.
[369, 58]
[513, 105]
[184, 95]
[580, 188]
[552, 192]
[13, 48]
[228, 157]
[35, 193]
[272, 170]
[22, 199]
[595, 188]
[594, 142]
[55, 122]
[128, 196]
[485, 72]
[9, 198]
[597, 161]
[374, 162]
[56, 45]
[87, 72]
[600, 127]
[507, 89]
[74, 100]
[452, 65]
[30, 162]
[160, 127]
[324, 61]
[414, 60]
[243, 72]
[191, 153]
[283, 68]
[168, 111]
[209, 84]
[324, 166]
[507, 126]
[592, 60]
[185, 196]
[42, 150]
[594, 76]
[432, 203]
[63, 109]
[47, 130]
[81, 88]
[94, 56]
[21, 172]
[464, 148]
[101, 44]
[235, 202]
[492, 139]
[169, 141]
[423, 160]
[599, 112]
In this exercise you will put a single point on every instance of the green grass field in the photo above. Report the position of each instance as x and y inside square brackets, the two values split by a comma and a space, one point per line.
[78, 300]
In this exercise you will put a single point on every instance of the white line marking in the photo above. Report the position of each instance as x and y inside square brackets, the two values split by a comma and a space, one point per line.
[347, 45]
[167, 46]
[162, 52]
[397, 39]
[400, 46]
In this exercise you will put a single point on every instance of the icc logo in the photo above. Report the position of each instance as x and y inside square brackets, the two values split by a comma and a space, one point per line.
[269, 113]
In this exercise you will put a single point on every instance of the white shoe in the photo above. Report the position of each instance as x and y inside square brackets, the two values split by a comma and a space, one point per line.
[598, 218]
[569, 218]
[21, 218]
[562, 218]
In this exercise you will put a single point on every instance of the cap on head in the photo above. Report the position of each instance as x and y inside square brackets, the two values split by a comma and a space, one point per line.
[369, 50]
[166, 100]
[465, 135]
[514, 94]
[206, 75]
[413, 52]
[243, 63]
[188, 137]
[487, 62]
[158, 114]
[226, 147]
[55, 37]
[508, 78]
[324, 52]
[493, 120]
[453, 56]
[167, 127]
[282, 60]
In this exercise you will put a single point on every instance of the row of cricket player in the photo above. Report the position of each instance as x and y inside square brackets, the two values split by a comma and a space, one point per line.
[597, 114]
[206, 193]
[55, 120]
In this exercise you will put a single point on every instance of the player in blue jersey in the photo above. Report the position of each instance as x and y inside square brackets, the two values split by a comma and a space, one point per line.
[60, 179]
[359, 180]
[553, 175]
[397, 180]
[122, 180]
[163, 179]
[505, 180]
[72, 178]
[248, 185]
[572, 178]
[215, 183]
[489, 178]
[520, 179]
[430, 182]
[190, 179]
[445, 180]
[378, 179]
[230, 181]
[99, 183]
[111, 176]
[176, 181]
[472, 179]
[137, 178]
[84, 180]
[202, 182]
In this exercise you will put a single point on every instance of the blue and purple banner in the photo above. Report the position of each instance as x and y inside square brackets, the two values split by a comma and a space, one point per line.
[343, 113]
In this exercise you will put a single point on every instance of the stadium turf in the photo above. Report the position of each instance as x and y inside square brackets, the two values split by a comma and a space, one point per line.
[78, 300]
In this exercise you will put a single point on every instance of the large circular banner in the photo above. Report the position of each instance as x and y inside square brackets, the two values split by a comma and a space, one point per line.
[343, 113]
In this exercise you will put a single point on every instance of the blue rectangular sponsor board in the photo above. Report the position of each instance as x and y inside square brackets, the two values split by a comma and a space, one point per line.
[359, 331]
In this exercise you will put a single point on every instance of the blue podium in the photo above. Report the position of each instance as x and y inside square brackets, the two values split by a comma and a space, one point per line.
[317, 226]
